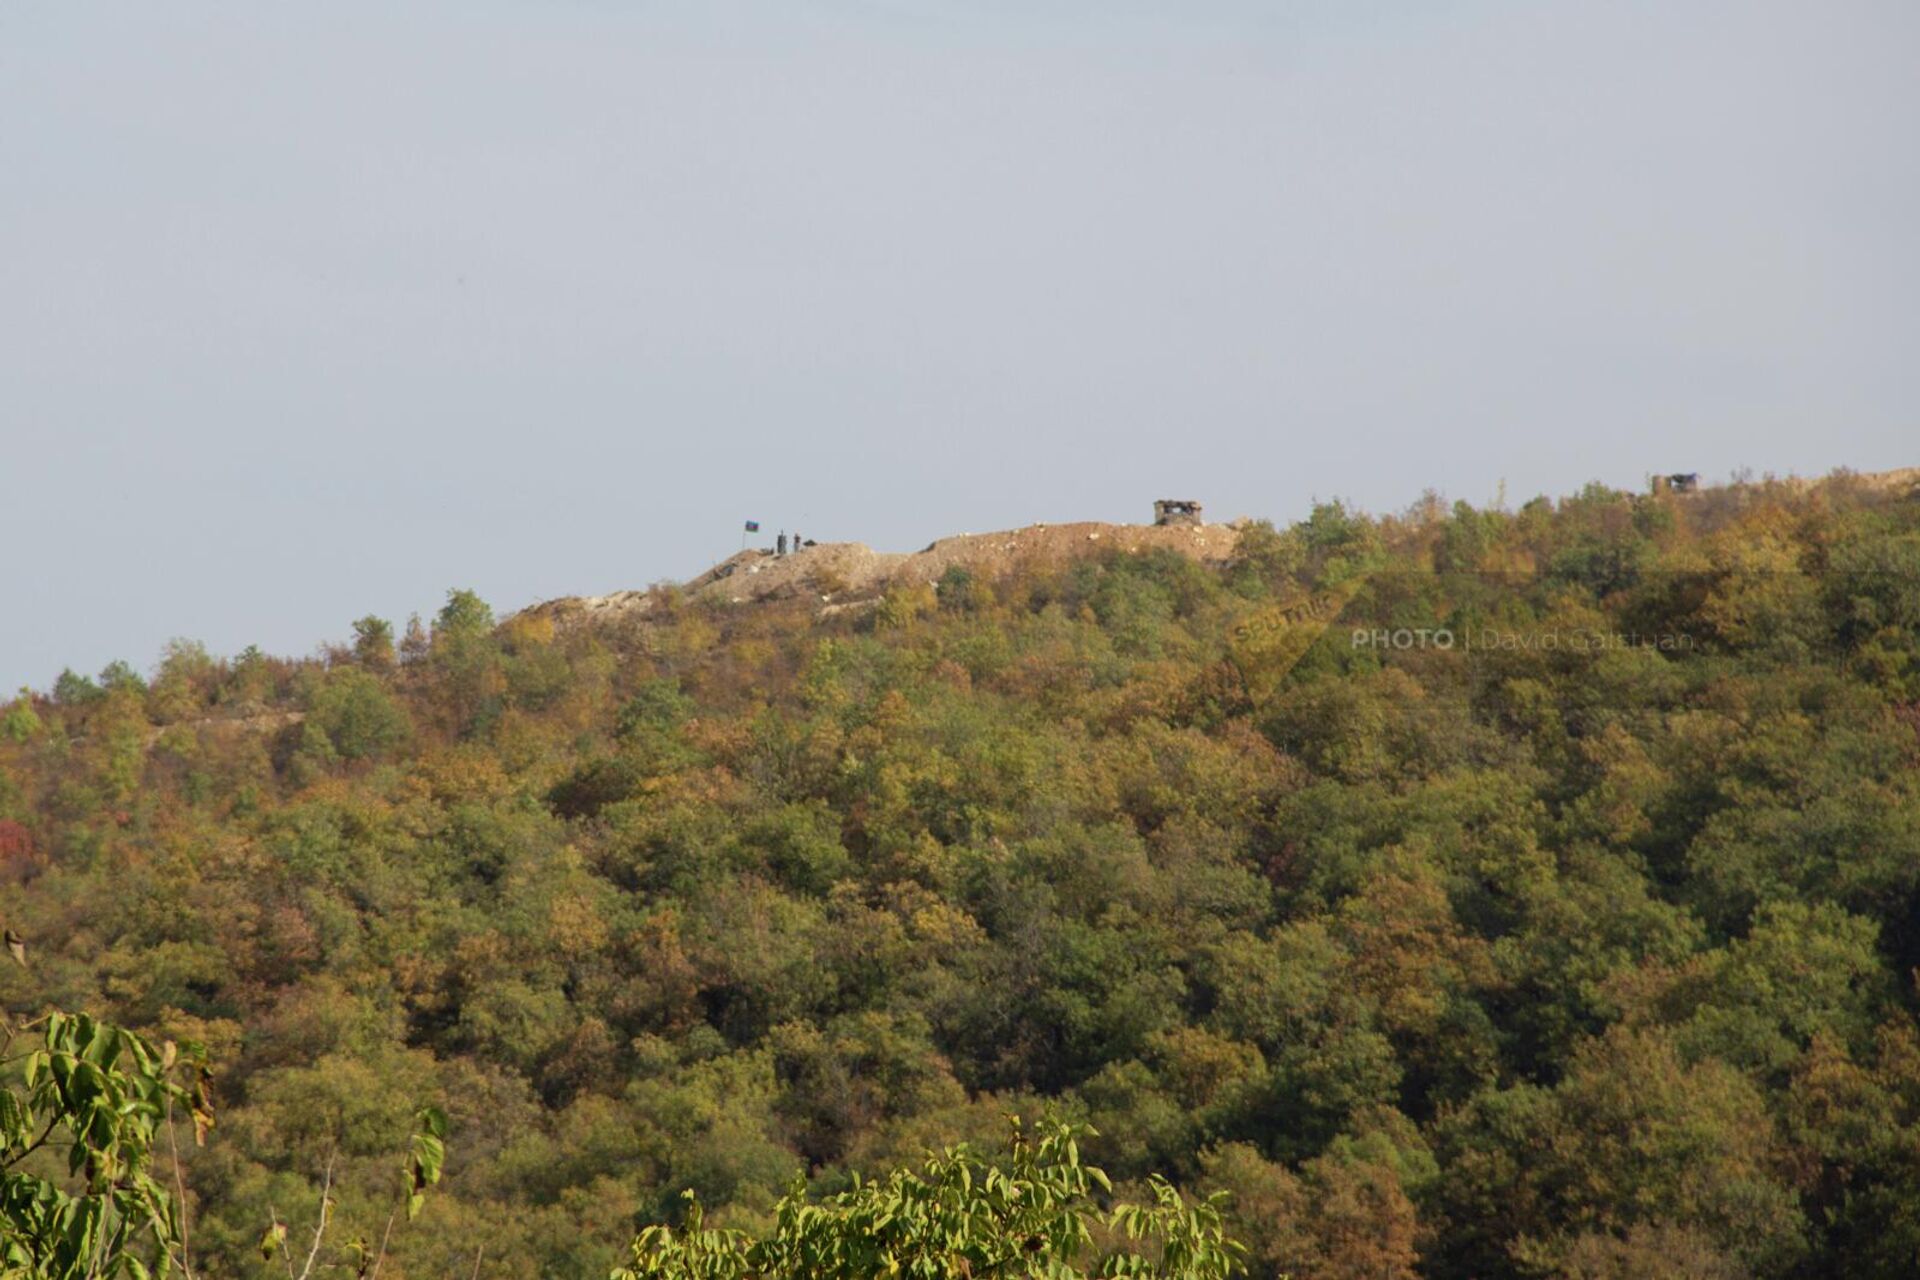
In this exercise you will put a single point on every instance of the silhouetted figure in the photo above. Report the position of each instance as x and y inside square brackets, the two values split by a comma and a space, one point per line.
[780, 546]
[797, 544]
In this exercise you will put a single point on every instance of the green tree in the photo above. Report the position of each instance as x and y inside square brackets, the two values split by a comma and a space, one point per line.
[20, 722]
[119, 674]
[1632, 1136]
[357, 714]
[958, 1215]
[75, 690]
[373, 643]
[464, 615]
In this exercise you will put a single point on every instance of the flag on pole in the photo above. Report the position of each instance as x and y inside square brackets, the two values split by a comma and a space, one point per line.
[753, 526]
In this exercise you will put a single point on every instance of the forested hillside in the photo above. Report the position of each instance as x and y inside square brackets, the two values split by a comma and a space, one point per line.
[1472, 893]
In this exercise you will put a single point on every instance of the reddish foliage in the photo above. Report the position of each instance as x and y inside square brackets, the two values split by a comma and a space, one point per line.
[18, 856]
[1908, 714]
[16, 842]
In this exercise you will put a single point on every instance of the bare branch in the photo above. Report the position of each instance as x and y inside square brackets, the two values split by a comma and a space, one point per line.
[384, 1237]
[320, 1226]
[179, 1189]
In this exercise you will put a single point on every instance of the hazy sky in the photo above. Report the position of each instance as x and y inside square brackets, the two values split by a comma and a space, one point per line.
[310, 311]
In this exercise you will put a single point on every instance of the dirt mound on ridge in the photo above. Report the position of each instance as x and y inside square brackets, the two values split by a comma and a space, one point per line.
[834, 574]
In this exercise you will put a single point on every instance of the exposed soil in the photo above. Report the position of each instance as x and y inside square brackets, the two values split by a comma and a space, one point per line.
[836, 574]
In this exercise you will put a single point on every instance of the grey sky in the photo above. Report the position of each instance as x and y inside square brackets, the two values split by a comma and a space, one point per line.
[309, 311]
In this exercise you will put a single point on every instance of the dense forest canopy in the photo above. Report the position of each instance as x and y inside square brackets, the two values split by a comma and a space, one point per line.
[1472, 893]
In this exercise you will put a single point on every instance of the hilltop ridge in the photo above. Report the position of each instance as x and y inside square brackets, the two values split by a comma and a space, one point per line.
[838, 575]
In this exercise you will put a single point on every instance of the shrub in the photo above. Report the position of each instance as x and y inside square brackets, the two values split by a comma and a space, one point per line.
[958, 1215]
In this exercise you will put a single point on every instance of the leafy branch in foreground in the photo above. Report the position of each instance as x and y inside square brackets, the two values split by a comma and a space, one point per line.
[958, 1216]
[99, 1096]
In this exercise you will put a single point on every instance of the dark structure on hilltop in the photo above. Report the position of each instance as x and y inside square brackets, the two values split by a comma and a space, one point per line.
[1678, 482]
[1176, 511]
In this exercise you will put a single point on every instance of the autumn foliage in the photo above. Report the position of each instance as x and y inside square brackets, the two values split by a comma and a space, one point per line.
[1580, 945]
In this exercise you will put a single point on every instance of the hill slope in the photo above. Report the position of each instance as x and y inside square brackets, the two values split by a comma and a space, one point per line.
[1567, 951]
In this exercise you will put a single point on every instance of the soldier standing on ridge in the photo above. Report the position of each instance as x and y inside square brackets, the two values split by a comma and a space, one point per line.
[780, 547]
